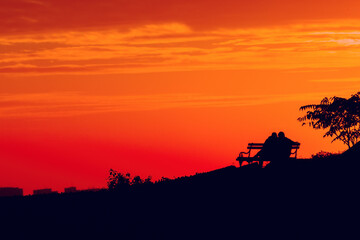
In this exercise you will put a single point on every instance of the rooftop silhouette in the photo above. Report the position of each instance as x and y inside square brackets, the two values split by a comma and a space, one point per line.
[10, 192]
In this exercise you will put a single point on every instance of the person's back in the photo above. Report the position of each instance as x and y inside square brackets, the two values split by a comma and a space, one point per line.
[284, 146]
[267, 152]
[269, 147]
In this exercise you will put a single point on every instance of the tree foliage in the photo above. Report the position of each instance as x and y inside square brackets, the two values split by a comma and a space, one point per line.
[120, 181]
[340, 117]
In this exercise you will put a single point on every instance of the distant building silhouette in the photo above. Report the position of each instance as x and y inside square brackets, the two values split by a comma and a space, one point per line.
[43, 191]
[70, 190]
[10, 192]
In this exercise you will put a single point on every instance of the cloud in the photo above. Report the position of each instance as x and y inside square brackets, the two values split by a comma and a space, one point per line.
[36, 2]
[199, 14]
[337, 80]
[177, 47]
[65, 104]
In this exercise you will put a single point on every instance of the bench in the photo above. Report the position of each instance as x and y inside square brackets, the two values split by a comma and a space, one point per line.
[246, 156]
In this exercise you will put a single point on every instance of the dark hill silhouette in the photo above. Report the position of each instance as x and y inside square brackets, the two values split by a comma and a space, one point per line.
[352, 153]
[305, 199]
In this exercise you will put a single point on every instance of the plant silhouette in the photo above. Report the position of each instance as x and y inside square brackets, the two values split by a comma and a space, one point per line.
[120, 181]
[117, 180]
[340, 117]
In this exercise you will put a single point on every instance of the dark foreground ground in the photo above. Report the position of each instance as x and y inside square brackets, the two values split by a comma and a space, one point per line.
[304, 200]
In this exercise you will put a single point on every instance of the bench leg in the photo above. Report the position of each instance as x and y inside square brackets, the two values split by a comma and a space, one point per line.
[261, 163]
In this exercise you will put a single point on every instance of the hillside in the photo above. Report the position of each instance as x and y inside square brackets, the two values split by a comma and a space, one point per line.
[304, 200]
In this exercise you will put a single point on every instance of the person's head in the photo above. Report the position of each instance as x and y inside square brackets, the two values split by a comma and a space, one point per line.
[281, 135]
[274, 135]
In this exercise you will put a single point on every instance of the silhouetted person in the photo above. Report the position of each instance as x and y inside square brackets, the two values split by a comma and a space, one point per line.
[283, 147]
[269, 149]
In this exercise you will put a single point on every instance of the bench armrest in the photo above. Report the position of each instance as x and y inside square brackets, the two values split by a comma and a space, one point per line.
[241, 154]
[295, 152]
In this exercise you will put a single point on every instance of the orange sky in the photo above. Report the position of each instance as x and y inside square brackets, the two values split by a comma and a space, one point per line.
[163, 88]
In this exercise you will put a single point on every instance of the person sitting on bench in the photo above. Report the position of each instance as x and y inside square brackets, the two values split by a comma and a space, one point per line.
[269, 149]
[284, 146]
[277, 149]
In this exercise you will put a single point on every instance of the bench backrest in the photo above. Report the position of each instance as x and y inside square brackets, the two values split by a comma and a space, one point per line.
[245, 156]
[261, 145]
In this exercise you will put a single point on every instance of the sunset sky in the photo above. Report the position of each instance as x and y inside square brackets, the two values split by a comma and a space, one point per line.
[163, 88]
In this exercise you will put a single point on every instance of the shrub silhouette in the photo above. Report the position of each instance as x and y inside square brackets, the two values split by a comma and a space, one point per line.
[323, 155]
[339, 116]
[137, 181]
[117, 180]
[120, 181]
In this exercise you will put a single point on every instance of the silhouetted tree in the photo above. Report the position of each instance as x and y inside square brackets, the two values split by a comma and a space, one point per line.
[148, 180]
[120, 181]
[339, 116]
[117, 180]
[137, 181]
[164, 179]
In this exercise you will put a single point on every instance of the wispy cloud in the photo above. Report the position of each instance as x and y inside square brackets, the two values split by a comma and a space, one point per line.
[36, 2]
[62, 104]
[176, 46]
[337, 80]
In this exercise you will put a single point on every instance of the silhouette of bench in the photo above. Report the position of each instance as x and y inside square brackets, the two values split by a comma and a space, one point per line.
[246, 156]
